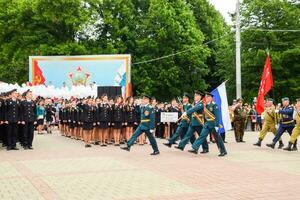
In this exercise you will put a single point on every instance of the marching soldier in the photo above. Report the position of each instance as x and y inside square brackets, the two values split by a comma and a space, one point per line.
[211, 125]
[239, 120]
[196, 124]
[28, 119]
[286, 123]
[147, 126]
[270, 121]
[12, 118]
[296, 130]
[184, 123]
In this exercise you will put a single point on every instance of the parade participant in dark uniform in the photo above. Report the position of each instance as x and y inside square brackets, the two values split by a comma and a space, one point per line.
[239, 120]
[147, 125]
[286, 122]
[184, 121]
[20, 135]
[104, 119]
[28, 119]
[211, 125]
[73, 119]
[118, 119]
[160, 128]
[129, 117]
[196, 123]
[49, 114]
[79, 132]
[296, 130]
[2, 124]
[88, 114]
[174, 108]
[12, 118]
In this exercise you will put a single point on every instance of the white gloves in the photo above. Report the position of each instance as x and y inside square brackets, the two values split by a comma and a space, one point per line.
[217, 129]
[151, 131]
[276, 126]
[276, 111]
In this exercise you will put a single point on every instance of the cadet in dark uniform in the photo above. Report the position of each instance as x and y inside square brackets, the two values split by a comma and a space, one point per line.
[49, 115]
[73, 119]
[196, 124]
[286, 122]
[28, 118]
[118, 119]
[184, 123]
[147, 125]
[129, 117]
[160, 127]
[104, 120]
[2, 119]
[88, 113]
[211, 125]
[174, 108]
[12, 118]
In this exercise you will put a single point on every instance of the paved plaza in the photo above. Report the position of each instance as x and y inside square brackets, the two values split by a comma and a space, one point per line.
[61, 168]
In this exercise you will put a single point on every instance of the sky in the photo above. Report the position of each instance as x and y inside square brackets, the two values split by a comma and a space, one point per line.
[225, 6]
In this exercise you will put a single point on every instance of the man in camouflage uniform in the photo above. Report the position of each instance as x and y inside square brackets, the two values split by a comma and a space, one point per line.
[239, 120]
[269, 124]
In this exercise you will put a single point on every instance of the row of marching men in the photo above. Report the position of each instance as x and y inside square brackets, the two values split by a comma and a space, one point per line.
[100, 121]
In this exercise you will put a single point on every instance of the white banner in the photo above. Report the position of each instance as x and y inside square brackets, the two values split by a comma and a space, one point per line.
[169, 116]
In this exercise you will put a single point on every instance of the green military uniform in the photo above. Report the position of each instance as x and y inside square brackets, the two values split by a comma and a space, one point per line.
[269, 124]
[239, 123]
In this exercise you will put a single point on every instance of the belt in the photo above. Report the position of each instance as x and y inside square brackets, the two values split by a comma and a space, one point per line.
[288, 122]
[210, 120]
[145, 120]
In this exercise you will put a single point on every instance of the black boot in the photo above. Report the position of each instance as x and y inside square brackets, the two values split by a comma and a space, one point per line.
[193, 151]
[258, 143]
[289, 147]
[281, 145]
[294, 147]
[168, 144]
[272, 145]
[126, 148]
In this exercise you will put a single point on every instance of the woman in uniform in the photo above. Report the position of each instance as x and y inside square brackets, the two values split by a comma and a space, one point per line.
[129, 117]
[118, 119]
[88, 120]
[104, 119]
[40, 116]
[73, 119]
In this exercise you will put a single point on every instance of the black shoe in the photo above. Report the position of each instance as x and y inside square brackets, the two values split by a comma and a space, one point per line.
[155, 153]
[294, 148]
[258, 143]
[242, 141]
[126, 148]
[25, 148]
[222, 154]
[281, 145]
[272, 145]
[86, 146]
[103, 145]
[96, 143]
[193, 151]
[30, 147]
[204, 151]
[116, 145]
[89, 145]
[178, 147]
[289, 147]
[8, 148]
[168, 144]
[14, 148]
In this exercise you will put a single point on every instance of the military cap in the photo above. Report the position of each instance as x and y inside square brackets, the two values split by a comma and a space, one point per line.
[209, 94]
[285, 99]
[185, 94]
[199, 92]
[270, 99]
[298, 99]
[147, 96]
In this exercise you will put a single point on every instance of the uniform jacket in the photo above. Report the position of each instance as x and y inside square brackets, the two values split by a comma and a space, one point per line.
[197, 109]
[28, 111]
[147, 117]
[12, 111]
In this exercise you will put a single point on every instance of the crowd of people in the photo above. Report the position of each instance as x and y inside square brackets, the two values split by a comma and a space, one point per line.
[106, 121]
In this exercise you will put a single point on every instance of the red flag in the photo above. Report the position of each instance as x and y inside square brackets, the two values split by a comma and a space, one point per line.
[265, 85]
[38, 77]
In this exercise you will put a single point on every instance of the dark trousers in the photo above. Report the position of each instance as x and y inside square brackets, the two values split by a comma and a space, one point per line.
[3, 134]
[12, 132]
[160, 129]
[138, 132]
[28, 133]
[202, 139]
[190, 134]
[281, 130]
[180, 132]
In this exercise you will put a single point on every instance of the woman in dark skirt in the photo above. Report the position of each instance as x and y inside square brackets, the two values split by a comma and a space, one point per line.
[73, 119]
[118, 119]
[40, 116]
[88, 120]
[50, 115]
[129, 109]
[104, 119]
